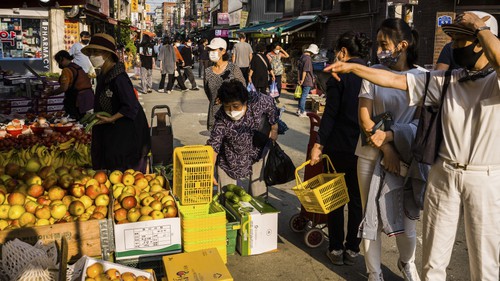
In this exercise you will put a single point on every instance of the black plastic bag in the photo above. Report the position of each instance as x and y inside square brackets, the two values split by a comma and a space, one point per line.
[279, 167]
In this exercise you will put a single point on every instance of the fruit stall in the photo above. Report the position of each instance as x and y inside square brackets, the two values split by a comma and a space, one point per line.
[49, 193]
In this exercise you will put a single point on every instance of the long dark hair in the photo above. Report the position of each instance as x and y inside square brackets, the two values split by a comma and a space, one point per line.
[357, 44]
[398, 30]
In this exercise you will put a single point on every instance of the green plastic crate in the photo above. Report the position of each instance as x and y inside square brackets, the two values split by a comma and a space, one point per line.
[232, 226]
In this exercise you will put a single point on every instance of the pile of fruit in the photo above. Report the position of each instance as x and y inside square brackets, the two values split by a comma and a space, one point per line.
[34, 194]
[140, 197]
[96, 272]
[235, 194]
[54, 149]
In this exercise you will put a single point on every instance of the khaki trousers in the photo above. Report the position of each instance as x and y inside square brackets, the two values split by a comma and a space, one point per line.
[475, 191]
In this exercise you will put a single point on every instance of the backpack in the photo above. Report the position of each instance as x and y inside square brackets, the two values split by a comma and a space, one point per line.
[276, 64]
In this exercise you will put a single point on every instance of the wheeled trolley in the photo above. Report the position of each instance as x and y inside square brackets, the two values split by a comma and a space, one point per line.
[162, 137]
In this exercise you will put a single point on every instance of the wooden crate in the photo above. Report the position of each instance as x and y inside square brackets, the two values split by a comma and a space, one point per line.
[84, 238]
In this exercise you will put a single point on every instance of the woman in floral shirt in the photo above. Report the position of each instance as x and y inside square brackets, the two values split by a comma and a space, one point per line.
[232, 135]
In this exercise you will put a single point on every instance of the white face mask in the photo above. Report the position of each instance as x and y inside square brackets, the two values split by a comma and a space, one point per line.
[97, 61]
[235, 115]
[213, 56]
[276, 51]
[189, 44]
[177, 44]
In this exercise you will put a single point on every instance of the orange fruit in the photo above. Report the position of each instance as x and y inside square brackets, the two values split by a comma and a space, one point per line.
[95, 270]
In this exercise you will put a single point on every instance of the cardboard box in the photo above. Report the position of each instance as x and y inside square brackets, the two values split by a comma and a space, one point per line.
[203, 265]
[147, 238]
[121, 268]
[84, 238]
[259, 227]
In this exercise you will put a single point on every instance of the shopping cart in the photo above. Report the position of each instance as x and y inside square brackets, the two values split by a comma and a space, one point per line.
[162, 138]
[313, 224]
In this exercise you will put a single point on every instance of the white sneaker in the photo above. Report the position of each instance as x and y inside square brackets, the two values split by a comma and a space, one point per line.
[409, 271]
[303, 114]
[169, 92]
[161, 91]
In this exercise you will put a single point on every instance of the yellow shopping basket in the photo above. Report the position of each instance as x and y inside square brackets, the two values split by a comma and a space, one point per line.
[322, 193]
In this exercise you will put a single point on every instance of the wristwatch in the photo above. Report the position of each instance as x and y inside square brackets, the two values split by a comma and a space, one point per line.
[485, 27]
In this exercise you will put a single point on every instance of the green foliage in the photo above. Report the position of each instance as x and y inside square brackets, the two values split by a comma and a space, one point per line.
[159, 30]
[124, 33]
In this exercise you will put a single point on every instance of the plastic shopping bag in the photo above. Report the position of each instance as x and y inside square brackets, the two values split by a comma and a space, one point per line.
[279, 167]
[251, 88]
[298, 92]
[273, 90]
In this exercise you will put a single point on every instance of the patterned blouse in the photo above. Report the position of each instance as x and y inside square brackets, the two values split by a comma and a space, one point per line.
[212, 83]
[232, 140]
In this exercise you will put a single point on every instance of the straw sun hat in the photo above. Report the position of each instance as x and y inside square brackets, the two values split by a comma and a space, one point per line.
[101, 41]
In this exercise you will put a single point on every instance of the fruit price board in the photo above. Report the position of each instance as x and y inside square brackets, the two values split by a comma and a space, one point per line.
[148, 236]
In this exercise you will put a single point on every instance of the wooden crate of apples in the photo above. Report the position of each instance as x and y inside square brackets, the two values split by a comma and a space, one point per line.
[141, 197]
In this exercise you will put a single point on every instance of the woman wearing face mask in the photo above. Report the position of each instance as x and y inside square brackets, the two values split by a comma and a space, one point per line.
[221, 70]
[397, 52]
[337, 137]
[121, 141]
[274, 57]
[232, 135]
[76, 86]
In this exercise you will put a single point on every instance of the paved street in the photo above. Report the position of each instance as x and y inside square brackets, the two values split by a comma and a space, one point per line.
[293, 260]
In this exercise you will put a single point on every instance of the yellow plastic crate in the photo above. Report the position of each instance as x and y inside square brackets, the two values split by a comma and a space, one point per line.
[322, 193]
[193, 174]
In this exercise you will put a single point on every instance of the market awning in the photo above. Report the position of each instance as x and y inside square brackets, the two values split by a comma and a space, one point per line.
[263, 27]
[298, 24]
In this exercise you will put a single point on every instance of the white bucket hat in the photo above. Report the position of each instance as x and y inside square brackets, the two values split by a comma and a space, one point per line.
[456, 27]
[313, 48]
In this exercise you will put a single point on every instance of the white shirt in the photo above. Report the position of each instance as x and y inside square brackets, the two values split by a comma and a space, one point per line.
[386, 99]
[79, 58]
[471, 115]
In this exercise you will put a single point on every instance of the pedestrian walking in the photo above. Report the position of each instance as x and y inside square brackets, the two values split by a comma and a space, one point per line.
[275, 57]
[187, 56]
[235, 154]
[179, 63]
[464, 178]
[146, 53]
[242, 55]
[122, 141]
[306, 77]
[221, 70]
[260, 69]
[166, 57]
[338, 135]
[204, 61]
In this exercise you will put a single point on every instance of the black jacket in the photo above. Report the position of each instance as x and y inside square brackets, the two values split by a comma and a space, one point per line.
[339, 128]
[187, 55]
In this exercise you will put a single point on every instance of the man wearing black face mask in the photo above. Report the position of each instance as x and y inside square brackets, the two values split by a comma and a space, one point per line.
[79, 58]
[466, 173]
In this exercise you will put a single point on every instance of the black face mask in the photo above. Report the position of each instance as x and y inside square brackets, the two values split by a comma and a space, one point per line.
[85, 42]
[466, 57]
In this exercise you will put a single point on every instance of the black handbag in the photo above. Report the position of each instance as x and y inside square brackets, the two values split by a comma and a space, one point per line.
[279, 167]
[430, 129]
[261, 134]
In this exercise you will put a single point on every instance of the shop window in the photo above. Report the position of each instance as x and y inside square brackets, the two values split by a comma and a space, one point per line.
[321, 5]
[275, 6]
[20, 38]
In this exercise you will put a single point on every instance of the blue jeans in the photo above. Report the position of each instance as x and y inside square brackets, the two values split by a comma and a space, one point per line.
[302, 102]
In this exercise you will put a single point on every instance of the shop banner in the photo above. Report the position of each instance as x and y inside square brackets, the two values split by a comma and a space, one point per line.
[243, 19]
[45, 36]
[221, 33]
[134, 6]
[235, 18]
[222, 18]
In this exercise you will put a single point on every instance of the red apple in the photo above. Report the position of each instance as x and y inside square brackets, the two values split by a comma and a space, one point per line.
[35, 190]
[101, 177]
[77, 190]
[121, 214]
[43, 200]
[129, 202]
[93, 191]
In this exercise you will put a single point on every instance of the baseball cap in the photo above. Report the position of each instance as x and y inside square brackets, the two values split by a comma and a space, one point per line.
[455, 27]
[217, 43]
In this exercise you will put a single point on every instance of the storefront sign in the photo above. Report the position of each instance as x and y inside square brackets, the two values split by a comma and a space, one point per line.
[235, 18]
[45, 44]
[134, 6]
[243, 19]
[8, 37]
[221, 33]
[444, 20]
[222, 18]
